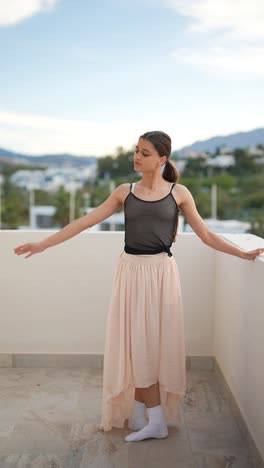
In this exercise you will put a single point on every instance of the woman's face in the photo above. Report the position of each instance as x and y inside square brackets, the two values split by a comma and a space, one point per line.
[146, 157]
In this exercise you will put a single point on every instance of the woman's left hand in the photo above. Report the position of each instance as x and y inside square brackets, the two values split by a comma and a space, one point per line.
[252, 254]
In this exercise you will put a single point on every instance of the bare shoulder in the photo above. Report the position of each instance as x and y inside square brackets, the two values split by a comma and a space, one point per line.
[122, 191]
[180, 193]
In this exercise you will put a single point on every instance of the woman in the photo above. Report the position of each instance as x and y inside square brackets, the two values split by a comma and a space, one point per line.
[144, 358]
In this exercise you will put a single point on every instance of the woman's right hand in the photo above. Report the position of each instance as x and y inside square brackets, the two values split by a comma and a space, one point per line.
[252, 254]
[32, 247]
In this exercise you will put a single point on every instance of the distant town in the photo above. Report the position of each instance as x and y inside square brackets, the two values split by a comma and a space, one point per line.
[48, 192]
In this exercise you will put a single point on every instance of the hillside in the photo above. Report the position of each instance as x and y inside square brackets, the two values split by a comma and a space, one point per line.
[235, 140]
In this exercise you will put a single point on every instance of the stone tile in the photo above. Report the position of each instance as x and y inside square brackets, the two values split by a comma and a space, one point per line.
[47, 461]
[166, 453]
[58, 360]
[59, 409]
[12, 378]
[174, 451]
[95, 448]
[203, 394]
[211, 460]
[108, 449]
[93, 377]
[180, 422]
[51, 395]
[35, 436]
[6, 360]
[11, 408]
[105, 450]
[85, 402]
[194, 375]
[92, 387]
[88, 412]
[30, 378]
[56, 411]
[201, 362]
[64, 377]
[214, 432]
[2, 443]
[26, 460]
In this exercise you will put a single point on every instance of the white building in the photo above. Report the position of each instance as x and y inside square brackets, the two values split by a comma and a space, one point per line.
[179, 164]
[52, 178]
[223, 226]
[41, 217]
[221, 161]
[253, 151]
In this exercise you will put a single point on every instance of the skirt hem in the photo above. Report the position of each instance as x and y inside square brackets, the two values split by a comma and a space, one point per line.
[164, 391]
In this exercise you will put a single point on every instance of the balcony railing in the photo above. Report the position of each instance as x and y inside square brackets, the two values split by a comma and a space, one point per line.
[56, 302]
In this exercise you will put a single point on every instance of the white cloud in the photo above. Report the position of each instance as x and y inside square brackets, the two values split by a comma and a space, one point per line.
[35, 134]
[243, 18]
[14, 11]
[234, 27]
[247, 60]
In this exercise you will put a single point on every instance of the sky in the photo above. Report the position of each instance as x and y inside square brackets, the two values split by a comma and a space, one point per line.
[84, 77]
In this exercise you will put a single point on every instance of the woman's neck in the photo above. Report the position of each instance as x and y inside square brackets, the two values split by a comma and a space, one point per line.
[151, 182]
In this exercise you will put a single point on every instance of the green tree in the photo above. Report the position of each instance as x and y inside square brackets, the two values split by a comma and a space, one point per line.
[254, 200]
[119, 166]
[257, 225]
[224, 181]
[244, 164]
[195, 167]
[15, 206]
[203, 204]
[192, 183]
[251, 182]
[62, 203]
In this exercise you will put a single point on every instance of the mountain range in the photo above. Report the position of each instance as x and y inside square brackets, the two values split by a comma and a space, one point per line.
[235, 140]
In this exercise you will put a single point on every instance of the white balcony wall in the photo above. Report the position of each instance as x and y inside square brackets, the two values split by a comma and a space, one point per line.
[239, 335]
[57, 301]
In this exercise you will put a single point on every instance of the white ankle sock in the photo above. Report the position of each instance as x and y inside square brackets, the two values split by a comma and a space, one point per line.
[156, 428]
[155, 414]
[137, 420]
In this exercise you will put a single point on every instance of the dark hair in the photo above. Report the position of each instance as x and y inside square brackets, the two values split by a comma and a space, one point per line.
[162, 144]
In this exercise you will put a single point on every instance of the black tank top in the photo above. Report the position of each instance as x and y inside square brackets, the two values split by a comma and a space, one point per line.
[149, 224]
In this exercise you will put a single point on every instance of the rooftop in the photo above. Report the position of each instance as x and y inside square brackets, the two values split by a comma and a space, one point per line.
[52, 333]
[51, 415]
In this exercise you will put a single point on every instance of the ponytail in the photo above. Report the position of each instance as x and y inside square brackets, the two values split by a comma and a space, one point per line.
[171, 174]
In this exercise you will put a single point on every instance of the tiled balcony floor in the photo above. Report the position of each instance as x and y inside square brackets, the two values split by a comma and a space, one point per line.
[48, 419]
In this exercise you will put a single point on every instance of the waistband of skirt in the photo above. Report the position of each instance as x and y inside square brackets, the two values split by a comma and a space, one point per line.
[144, 258]
[131, 250]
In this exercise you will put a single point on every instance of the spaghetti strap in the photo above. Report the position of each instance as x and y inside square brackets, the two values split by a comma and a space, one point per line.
[172, 185]
[132, 187]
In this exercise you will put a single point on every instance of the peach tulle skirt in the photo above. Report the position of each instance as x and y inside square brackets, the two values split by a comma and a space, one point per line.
[144, 337]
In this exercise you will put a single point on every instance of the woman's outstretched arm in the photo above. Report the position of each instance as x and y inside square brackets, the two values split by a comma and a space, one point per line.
[210, 238]
[103, 211]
